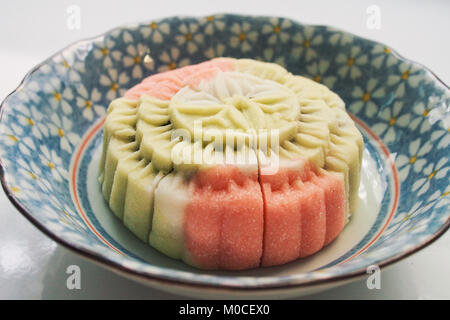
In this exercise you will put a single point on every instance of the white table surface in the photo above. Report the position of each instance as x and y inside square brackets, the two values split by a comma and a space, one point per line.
[34, 267]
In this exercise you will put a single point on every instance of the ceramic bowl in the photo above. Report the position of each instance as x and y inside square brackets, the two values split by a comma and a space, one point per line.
[51, 129]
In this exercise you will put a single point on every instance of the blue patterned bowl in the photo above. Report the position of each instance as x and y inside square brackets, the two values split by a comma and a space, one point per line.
[51, 128]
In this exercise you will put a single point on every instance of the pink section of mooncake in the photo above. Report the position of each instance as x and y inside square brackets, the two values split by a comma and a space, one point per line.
[224, 222]
[303, 211]
[166, 84]
[334, 202]
[313, 219]
[282, 219]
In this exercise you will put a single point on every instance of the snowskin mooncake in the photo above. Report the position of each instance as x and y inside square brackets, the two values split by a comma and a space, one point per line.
[231, 164]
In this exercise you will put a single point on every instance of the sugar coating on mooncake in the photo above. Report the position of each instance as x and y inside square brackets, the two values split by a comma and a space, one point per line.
[231, 164]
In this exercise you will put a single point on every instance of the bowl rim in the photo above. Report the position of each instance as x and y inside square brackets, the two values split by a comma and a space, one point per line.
[147, 276]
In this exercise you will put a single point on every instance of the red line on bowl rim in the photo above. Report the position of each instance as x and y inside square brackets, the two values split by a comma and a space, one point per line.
[396, 187]
[78, 154]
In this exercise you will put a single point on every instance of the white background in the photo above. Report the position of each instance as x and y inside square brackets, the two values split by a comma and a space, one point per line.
[32, 266]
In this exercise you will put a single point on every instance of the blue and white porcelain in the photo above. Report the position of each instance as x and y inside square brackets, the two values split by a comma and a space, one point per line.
[51, 128]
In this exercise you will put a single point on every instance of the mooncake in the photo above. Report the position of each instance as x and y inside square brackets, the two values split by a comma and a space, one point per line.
[231, 164]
